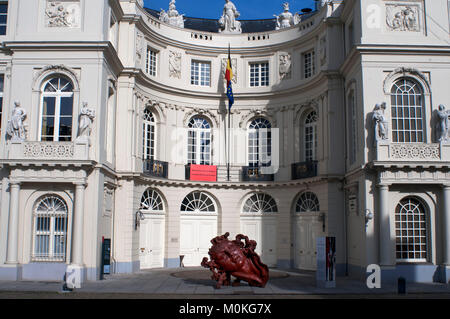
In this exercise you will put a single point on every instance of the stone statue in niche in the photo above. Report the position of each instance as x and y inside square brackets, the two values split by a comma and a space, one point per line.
[85, 121]
[63, 14]
[175, 64]
[233, 66]
[228, 22]
[234, 258]
[285, 19]
[15, 127]
[172, 16]
[139, 47]
[285, 66]
[402, 18]
[381, 125]
[442, 125]
[323, 50]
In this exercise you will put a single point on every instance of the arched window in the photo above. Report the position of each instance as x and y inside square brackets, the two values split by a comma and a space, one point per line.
[259, 143]
[310, 137]
[198, 202]
[407, 112]
[149, 129]
[151, 201]
[199, 141]
[411, 230]
[260, 203]
[56, 110]
[50, 229]
[307, 202]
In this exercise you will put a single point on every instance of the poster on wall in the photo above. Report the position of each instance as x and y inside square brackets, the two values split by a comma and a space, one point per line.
[326, 262]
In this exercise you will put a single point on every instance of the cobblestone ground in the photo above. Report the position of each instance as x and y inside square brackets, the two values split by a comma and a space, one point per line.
[195, 283]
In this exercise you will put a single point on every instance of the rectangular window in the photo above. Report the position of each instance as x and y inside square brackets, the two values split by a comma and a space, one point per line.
[309, 64]
[259, 74]
[200, 73]
[3, 17]
[2, 78]
[151, 62]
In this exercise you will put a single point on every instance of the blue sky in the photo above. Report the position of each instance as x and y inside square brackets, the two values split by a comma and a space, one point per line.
[249, 9]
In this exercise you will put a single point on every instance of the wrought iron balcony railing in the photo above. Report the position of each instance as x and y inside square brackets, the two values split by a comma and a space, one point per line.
[255, 174]
[156, 168]
[304, 170]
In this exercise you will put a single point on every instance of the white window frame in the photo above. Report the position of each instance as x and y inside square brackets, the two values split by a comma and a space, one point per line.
[258, 150]
[260, 203]
[256, 77]
[58, 95]
[52, 214]
[203, 76]
[307, 202]
[200, 136]
[198, 202]
[411, 234]
[5, 24]
[399, 121]
[149, 135]
[310, 130]
[309, 63]
[151, 61]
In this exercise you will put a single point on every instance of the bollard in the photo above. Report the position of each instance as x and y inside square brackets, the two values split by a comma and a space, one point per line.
[401, 286]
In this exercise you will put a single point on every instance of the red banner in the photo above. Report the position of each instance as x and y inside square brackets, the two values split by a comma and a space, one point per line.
[203, 173]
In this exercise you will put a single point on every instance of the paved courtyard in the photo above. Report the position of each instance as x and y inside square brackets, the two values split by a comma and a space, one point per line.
[196, 283]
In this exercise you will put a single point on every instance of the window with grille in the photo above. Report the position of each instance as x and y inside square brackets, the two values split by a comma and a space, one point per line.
[56, 110]
[259, 74]
[307, 202]
[310, 138]
[151, 201]
[50, 229]
[198, 202]
[3, 17]
[260, 204]
[150, 65]
[259, 143]
[407, 112]
[199, 141]
[149, 126]
[2, 82]
[309, 67]
[411, 231]
[200, 73]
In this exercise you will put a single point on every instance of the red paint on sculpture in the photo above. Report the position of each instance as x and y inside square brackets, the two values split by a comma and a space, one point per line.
[234, 258]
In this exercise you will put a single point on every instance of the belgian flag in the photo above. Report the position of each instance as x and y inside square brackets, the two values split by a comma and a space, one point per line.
[229, 77]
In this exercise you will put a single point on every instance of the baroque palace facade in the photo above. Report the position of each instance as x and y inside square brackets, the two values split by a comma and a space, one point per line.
[114, 126]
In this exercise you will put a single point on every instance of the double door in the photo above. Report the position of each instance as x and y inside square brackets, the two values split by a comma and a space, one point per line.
[196, 233]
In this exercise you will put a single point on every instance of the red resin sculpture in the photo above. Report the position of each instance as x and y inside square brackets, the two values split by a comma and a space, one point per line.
[234, 258]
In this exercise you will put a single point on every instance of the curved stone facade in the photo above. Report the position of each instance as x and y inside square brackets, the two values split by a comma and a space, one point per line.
[324, 138]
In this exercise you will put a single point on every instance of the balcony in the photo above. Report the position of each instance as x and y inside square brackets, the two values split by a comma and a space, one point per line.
[201, 173]
[156, 168]
[412, 152]
[304, 170]
[48, 151]
[255, 174]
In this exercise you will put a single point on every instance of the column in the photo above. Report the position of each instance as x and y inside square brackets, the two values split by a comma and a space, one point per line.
[446, 225]
[13, 224]
[77, 235]
[385, 226]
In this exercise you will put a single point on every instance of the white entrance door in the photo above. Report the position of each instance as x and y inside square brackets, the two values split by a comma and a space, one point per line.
[307, 228]
[151, 240]
[196, 233]
[263, 230]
